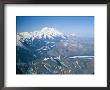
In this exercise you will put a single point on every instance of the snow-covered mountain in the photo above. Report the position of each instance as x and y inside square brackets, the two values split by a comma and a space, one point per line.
[50, 33]
[49, 51]
[44, 33]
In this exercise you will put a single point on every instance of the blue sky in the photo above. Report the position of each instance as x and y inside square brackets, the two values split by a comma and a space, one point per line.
[80, 25]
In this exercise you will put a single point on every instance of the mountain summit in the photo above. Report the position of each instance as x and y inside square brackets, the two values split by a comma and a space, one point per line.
[47, 32]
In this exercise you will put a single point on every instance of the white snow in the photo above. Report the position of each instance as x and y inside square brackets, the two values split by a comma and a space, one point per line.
[45, 32]
[49, 32]
[45, 59]
[90, 57]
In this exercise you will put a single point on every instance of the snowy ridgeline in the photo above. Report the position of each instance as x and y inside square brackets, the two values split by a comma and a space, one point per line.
[45, 33]
[87, 57]
[59, 65]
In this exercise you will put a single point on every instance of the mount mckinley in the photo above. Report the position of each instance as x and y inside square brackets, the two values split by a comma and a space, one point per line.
[49, 51]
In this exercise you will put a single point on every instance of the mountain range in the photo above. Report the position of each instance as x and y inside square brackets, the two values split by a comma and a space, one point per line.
[48, 51]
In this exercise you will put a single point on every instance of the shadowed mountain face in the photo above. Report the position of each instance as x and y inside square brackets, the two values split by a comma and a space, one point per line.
[51, 52]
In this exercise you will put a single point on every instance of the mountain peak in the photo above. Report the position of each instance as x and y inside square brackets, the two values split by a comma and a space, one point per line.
[48, 29]
[49, 32]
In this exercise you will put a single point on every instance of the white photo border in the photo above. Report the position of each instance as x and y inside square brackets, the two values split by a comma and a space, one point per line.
[99, 79]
